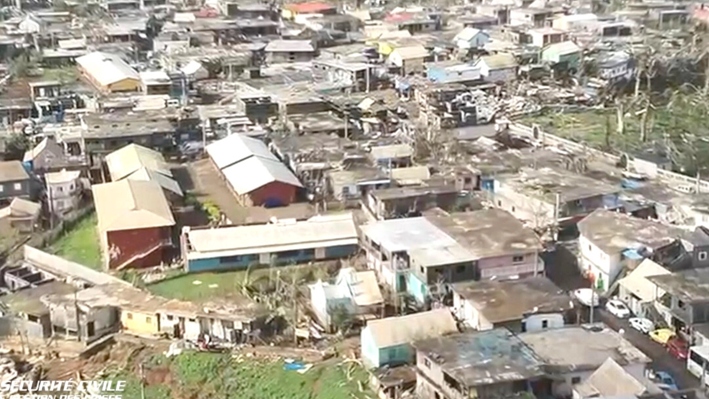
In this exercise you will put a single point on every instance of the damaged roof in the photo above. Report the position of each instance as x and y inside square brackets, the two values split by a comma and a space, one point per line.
[483, 357]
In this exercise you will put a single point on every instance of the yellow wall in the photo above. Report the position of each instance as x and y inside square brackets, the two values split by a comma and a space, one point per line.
[140, 323]
[287, 14]
[125, 85]
[386, 48]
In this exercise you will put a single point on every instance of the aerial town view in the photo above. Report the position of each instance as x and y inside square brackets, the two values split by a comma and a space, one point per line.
[234, 199]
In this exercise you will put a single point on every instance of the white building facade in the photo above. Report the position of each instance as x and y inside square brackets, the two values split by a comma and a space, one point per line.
[63, 191]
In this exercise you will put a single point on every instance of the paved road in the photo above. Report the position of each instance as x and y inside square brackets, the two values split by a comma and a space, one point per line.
[661, 359]
[562, 269]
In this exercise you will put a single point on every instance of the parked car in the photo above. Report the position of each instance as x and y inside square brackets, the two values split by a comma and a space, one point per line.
[641, 324]
[617, 308]
[662, 335]
[678, 347]
[665, 381]
[587, 297]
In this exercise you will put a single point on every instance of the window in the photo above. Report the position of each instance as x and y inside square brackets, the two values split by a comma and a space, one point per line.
[60, 189]
[460, 269]
[545, 324]
[169, 317]
[693, 356]
[575, 380]
[71, 187]
[427, 363]
[518, 259]
[18, 186]
[703, 255]
[513, 209]
[148, 319]
[499, 203]
[129, 316]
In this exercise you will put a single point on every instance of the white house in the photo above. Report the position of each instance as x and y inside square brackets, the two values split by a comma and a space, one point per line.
[612, 381]
[498, 68]
[636, 290]
[30, 25]
[355, 292]
[471, 38]
[529, 304]
[63, 191]
[409, 59]
[610, 241]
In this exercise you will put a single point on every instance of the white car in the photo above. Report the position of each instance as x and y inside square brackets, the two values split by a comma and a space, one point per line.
[586, 297]
[641, 324]
[617, 309]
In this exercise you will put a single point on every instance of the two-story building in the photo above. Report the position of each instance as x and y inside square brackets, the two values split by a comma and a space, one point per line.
[546, 196]
[610, 242]
[423, 255]
[573, 353]
[682, 298]
[484, 364]
[64, 190]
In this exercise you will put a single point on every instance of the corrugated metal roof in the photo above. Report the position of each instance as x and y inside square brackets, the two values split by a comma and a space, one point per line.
[316, 231]
[11, 171]
[255, 172]
[304, 46]
[499, 61]
[145, 174]
[412, 52]
[394, 331]
[563, 48]
[127, 160]
[106, 68]
[130, 205]
[235, 148]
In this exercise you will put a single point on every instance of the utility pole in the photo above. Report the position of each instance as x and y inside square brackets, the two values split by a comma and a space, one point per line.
[76, 311]
[592, 308]
[142, 381]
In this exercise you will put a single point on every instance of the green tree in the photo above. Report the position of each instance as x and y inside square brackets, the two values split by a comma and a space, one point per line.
[16, 145]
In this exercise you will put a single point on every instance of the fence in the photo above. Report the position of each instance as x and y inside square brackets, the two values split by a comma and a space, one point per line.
[548, 138]
[46, 238]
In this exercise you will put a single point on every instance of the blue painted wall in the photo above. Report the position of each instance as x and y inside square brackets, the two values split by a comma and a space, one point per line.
[416, 288]
[281, 258]
[224, 263]
[341, 251]
[370, 352]
[373, 356]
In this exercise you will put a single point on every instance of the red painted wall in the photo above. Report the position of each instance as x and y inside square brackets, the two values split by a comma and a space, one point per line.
[285, 193]
[133, 242]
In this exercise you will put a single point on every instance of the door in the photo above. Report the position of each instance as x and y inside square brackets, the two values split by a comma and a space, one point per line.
[90, 329]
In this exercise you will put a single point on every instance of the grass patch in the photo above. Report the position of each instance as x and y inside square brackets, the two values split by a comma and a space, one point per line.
[227, 284]
[63, 75]
[199, 375]
[80, 244]
[588, 127]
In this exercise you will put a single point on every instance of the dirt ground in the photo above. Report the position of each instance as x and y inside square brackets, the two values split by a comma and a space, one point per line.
[209, 186]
